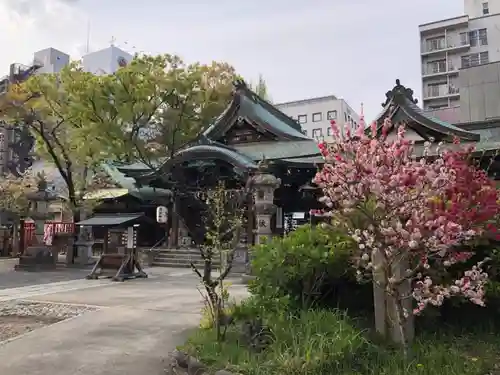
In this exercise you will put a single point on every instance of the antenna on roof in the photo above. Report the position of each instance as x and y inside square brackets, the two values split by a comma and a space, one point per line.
[88, 37]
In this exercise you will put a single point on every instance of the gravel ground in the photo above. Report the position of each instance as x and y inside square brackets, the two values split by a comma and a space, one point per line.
[18, 317]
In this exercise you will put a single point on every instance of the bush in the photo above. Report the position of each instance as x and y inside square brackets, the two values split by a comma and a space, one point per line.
[315, 342]
[311, 267]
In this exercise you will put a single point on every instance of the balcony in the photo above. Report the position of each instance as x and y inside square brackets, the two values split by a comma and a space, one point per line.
[457, 44]
[439, 70]
[442, 25]
[441, 92]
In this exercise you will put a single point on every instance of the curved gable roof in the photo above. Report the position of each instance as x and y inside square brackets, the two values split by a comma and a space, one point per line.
[249, 106]
[400, 99]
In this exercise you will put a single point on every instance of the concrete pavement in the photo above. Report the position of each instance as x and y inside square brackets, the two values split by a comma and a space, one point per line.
[136, 324]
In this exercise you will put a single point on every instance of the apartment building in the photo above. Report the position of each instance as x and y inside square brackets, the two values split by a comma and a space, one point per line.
[447, 46]
[314, 115]
[106, 61]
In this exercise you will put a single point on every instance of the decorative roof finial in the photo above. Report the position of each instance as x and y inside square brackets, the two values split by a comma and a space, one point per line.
[362, 122]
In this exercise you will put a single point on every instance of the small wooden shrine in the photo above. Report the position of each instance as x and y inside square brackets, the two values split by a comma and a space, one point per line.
[401, 107]
[119, 258]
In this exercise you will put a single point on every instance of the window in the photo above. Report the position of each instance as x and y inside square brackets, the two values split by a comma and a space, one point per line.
[317, 133]
[437, 89]
[464, 38]
[302, 119]
[438, 106]
[483, 37]
[345, 117]
[438, 66]
[484, 57]
[486, 9]
[475, 59]
[434, 44]
[317, 117]
[331, 115]
[478, 37]
[465, 61]
[329, 131]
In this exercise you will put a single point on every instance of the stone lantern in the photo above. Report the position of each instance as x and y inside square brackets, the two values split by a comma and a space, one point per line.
[38, 256]
[264, 186]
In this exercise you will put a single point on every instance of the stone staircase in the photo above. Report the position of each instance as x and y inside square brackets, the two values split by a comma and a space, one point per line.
[179, 258]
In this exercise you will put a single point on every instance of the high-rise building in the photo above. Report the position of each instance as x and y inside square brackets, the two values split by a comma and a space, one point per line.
[314, 115]
[106, 61]
[447, 46]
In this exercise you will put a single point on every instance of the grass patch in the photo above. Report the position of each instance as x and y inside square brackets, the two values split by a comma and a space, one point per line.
[328, 342]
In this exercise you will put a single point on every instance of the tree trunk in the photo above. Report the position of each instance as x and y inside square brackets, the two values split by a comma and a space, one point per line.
[393, 309]
[74, 247]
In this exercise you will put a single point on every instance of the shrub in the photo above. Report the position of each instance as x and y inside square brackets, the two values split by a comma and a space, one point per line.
[314, 342]
[311, 342]
[311, 267]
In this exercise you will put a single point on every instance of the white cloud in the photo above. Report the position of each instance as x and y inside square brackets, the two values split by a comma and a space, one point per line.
[30, 25]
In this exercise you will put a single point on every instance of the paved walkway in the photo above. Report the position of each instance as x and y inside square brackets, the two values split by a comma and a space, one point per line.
[9, 278]
[136, 324]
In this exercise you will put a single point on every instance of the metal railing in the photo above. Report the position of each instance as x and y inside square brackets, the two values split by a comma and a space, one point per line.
[439, 69]
[438, 91]
[442, 44]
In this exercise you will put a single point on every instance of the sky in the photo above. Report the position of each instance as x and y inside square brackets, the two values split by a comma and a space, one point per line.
[354, 49]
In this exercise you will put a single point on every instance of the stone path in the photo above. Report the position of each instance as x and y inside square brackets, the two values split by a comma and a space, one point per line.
[127, 328]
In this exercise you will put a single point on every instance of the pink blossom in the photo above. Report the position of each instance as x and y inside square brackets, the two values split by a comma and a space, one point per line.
[425, 209]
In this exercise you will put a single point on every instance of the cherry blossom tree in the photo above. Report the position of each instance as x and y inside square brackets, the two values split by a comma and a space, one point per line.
[411, 217]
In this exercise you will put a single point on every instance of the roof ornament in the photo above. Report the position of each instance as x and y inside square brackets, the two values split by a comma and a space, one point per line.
[399, 89]
[239, 84]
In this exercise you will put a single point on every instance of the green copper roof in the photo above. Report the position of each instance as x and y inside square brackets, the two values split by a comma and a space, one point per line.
[278, 150]
[437, 124]
[247, 105]
[401, 107]
[118, 177]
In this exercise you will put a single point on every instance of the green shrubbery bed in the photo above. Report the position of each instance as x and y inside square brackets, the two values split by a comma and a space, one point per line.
[314, 342]
[306, 296]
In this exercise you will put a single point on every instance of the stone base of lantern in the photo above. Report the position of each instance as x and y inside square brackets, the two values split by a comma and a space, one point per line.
[36, 258]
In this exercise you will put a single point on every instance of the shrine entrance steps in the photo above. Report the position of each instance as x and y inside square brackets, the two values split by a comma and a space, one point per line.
[179, 258]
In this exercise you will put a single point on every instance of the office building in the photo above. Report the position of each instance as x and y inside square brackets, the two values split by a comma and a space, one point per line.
[314, 115]
[447, 46]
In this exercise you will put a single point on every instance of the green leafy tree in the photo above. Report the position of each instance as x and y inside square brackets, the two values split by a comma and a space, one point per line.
[260, 88]
[13, 192]
[50, 106]
[156, 104]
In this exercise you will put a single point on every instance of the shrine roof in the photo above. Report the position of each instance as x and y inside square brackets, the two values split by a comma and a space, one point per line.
[249, 106]
[142, 193]
[112, 220]
[278, 150]
[400, 106]
[113, 171]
